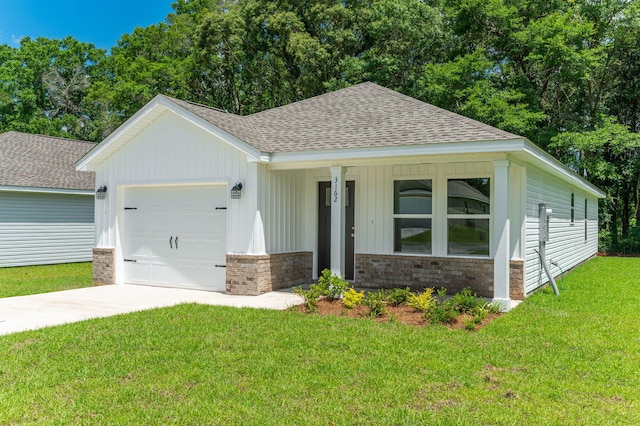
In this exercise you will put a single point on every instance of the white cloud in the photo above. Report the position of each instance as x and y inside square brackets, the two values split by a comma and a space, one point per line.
[15, 40]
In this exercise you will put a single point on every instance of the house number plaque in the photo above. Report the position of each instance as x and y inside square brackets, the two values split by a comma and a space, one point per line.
[335, 189]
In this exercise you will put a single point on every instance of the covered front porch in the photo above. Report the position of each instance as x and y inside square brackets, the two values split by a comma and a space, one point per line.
[430, 221]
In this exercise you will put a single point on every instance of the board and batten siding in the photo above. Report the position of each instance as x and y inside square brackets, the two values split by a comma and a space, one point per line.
[374, 202]
[38, 228]
[567, 245]
[282, 205]
[172, 151]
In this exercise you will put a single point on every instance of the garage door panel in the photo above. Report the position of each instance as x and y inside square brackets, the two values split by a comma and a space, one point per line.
[149, 247]
[160, 214]
[201, 248]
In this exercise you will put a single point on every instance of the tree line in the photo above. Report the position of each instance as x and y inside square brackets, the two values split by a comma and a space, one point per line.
[563, 73]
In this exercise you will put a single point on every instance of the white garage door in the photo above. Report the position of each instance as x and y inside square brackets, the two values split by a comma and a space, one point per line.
[176, 236]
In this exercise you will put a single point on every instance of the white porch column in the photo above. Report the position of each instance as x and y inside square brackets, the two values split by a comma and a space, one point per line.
[501, 238]
[337, 219]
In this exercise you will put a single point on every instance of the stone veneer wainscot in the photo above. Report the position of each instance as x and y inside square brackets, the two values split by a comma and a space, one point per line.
[103, 266]
[257, 274]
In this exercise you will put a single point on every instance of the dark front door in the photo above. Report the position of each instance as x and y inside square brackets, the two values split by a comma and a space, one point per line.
[324, 227]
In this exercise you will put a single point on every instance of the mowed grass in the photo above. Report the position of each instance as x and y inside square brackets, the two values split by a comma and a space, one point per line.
[572, 359]
[22, 280]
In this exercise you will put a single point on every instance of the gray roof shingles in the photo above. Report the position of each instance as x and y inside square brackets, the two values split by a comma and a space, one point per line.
[361, 116]
[37, 161]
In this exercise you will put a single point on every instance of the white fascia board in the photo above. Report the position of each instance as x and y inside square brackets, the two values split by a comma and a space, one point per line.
[252, 153]
[93, 157]
[341, 156]
[47, 190]
[555, 167]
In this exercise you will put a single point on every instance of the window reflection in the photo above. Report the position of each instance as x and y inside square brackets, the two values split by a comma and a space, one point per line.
[468, 196]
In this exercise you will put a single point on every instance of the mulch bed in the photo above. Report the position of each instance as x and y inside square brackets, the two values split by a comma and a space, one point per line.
[402, 314]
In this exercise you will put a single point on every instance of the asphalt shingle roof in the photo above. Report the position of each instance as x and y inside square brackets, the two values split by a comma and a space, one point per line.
[233, 124]
[361, 116]
[43, 162]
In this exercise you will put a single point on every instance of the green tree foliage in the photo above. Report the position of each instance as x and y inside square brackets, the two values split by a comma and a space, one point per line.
[470, 85]
[609, 156]
[256, 54]
[44, 85]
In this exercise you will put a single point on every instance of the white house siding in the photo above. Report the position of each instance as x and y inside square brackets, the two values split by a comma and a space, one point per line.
[159, 156]
[374, 200]
[374, 203]
[566, 245]
[282, 207]
[45, 228]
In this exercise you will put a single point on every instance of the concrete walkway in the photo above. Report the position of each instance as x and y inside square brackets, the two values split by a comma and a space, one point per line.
[43, 310]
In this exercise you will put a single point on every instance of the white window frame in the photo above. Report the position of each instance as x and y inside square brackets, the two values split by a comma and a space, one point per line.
[488, 216]
[411, 216]
[572, 209]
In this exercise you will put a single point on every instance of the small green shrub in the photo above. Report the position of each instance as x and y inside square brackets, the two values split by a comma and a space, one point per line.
[469, 322]
[465, 300]
[421, 301]
[442, 312]
[495, 307]
[392, 317]
[333, 285]
[480, 312]
[352, 298]
[310, 296]
[375, 301]
[398, 296]
[442, 293]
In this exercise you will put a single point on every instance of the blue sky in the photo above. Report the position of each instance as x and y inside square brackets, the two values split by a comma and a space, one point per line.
[98, 22]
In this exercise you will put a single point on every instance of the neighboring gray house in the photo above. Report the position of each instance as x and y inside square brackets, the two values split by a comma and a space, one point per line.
[46, 206]
[377, 186]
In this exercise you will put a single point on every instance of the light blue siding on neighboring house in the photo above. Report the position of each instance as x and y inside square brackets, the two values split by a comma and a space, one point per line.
[45, 228]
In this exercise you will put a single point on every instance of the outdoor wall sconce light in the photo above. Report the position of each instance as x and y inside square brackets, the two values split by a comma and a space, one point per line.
[236, 191]
[101, 193]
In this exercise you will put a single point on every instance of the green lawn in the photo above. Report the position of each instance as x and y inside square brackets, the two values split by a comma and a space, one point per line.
[23, 280]
[572, 359]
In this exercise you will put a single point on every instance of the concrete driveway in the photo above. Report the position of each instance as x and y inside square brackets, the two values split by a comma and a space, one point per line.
[43, 310]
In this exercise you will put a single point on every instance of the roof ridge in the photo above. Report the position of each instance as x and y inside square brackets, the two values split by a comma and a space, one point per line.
[475, 123]
[48, 137]
[321, 95]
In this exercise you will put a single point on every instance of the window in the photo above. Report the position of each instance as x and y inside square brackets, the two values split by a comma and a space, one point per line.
[585, 219]
[412, 216]
[468, 213]
[573, 210]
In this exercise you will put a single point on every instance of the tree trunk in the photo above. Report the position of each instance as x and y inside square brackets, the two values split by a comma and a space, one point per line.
[636, 191]
[626, 213]
[613, 225]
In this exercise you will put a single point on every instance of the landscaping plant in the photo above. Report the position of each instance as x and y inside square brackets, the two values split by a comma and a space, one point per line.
[398, 296]
[375, 301]
[333, 285]
[465, 300]
[441, 312]
[352, 298]
[421, 301]
[310, 296]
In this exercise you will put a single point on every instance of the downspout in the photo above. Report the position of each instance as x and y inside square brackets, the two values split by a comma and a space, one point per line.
[544, 214]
